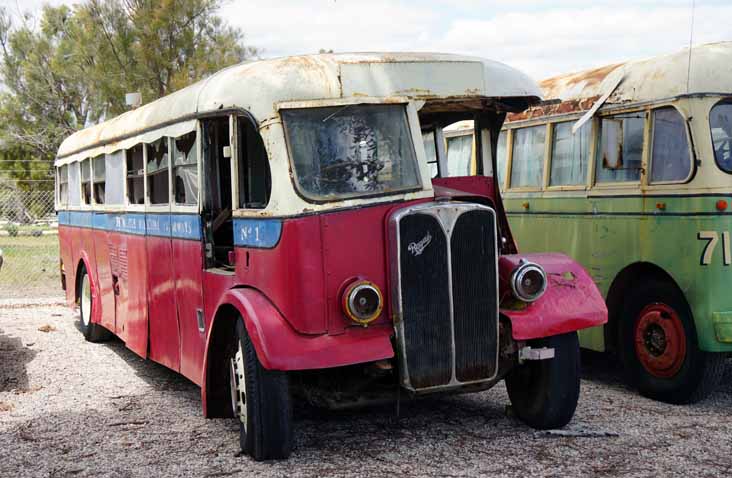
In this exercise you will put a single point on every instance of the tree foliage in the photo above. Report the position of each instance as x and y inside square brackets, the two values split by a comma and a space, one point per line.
[71, 67]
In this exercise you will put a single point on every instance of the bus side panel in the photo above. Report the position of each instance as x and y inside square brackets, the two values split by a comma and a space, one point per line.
[188, 265]
[101, 313]
[103, 253]
[65, 242]
[163, 320]
[117, 244]
[290, 272]
[133, 295]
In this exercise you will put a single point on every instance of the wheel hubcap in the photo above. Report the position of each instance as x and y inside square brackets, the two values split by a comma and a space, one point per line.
[660, 341]
[238, 386]
[85, 300]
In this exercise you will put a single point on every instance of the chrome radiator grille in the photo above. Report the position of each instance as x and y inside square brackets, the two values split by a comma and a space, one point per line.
[445, 281]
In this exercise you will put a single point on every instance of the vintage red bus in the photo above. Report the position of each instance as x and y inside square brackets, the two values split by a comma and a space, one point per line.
[282, 229]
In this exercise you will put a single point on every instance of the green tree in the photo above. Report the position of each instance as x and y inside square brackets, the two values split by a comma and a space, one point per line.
[73, 69]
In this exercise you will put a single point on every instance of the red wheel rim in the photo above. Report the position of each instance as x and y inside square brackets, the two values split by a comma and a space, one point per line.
[660, 341]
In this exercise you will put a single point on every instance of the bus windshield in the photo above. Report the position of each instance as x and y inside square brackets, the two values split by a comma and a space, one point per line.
[720, 121]
[350, 151]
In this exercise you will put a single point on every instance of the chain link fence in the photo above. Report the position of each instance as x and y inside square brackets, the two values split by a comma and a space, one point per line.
[29, 262]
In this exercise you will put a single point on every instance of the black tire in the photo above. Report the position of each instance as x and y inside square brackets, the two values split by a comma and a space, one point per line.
[700, 372]
[92, 332]
[544, 393]
[266, 431]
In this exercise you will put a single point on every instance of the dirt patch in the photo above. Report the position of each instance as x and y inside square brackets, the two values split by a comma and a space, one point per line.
[85, 409]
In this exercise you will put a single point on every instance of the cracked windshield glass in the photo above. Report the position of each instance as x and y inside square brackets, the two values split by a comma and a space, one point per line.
[352, 150]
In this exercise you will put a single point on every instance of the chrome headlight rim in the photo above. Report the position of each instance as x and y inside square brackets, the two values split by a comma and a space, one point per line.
[349, 302]
[518, 275]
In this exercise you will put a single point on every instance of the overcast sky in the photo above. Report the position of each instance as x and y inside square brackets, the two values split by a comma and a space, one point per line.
[541, 38]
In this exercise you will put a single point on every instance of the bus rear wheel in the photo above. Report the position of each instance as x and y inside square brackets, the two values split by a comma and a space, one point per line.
[92, 332]
[659, 348]
[544, 393]
[260, 400]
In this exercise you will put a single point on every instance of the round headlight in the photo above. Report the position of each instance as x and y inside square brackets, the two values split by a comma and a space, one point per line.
[528, 281]
[362, 302]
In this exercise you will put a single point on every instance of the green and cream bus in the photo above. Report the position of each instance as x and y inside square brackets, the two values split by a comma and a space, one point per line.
[628, 169]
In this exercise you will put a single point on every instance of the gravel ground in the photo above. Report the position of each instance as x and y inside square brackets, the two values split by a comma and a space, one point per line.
[71, 408]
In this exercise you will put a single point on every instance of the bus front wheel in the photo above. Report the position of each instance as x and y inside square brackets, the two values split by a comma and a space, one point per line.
[92, 332]
[659, 348]
[260, 400]
[544, 393]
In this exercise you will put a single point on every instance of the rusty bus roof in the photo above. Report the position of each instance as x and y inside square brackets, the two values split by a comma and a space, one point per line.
[259, 87]
[646, 80]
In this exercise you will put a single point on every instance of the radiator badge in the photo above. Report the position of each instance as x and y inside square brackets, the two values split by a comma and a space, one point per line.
[417, 248]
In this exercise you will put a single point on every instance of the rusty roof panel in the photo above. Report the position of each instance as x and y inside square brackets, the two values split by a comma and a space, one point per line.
[643, 80]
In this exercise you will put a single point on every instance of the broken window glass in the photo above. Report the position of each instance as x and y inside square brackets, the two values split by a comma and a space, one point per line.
[720, 122]
[527, 169]
[185, 169]
[670, 160]
[430, 149]
[352, 150]
[157, 171]
[86, 181]
[99, 179]
[621, 148]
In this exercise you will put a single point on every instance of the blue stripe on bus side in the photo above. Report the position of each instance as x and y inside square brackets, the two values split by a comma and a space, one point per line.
[264, 233]
[178, 226]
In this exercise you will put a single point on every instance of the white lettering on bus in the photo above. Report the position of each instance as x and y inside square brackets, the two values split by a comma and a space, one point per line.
[712, 238]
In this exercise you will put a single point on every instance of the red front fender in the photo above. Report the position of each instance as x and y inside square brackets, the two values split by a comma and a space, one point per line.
[280, 347]
[571, 301]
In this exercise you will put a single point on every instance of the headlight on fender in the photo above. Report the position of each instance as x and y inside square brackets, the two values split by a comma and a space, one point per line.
[528, 281]
[362, 302]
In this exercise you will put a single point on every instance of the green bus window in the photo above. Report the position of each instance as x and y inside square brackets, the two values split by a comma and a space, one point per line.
[185, 169]
[86, 181]
[720, 122]
[157, 171]
[501, 157]
[570, 154]
[527, 169]
[459, 155]
[621, 148]
[430, 149]
[670, 159]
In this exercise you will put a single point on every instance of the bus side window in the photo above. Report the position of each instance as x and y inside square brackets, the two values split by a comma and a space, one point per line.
[99, 179]
[459, 155]
[670, 158]
[570, 154]
[157, 171]
[720, 123]
[74, 184]
[135, 175]
[185, 169]
[527, 170]
[430, 149]
[86, 181]
[621, 148]
[112, 184]
[502, 157]
[255, 180]
[63, 186]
